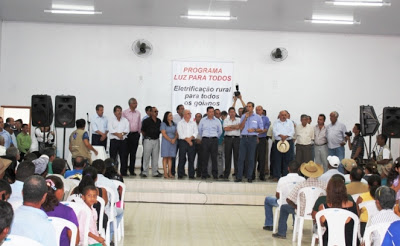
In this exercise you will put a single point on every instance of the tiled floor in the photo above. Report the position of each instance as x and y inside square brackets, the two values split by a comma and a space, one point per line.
[203, 225]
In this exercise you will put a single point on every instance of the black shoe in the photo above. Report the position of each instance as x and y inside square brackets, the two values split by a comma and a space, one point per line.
[143, 175]
[250, 180]
[180, 177]
[159, 175]
[278, 236]
[215, 178]
[268, 228]
[238, 180]
[234, 174]
[125, 175]
[191, 178]
[221, 176]
[203, 178]
[185, 174]
[133, 174]
[208, 176]
[262, 178]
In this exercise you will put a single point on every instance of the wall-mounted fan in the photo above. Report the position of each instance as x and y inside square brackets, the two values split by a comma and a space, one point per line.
[142, 48]
[279, 54]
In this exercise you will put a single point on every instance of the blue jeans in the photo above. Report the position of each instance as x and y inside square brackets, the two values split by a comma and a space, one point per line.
[339, 152]
[286, 209]
[281, 161]
[247, 150]
[269, 202]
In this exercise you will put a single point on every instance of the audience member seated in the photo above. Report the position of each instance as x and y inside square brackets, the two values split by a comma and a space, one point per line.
[41, 164]
[332, 169]
[111, 170]
[25, 170]
[336, 197]
[29, 221]
[6, 217]
[89, 177]
[4, 163]
[393, 179]
[284, 187]
[52, 207]
[392, 237]
[5, 190]
[2, 148]
[59, 171]
[78, 164]
[348, 165]
[385, 199]
[374, 181]
[89, 196]
[356, 186]
[370, 169]
[12, 154]
[312, 171]
[30, 157]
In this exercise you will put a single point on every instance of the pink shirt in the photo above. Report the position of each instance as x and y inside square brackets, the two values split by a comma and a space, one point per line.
[135, 123]
[93, 226]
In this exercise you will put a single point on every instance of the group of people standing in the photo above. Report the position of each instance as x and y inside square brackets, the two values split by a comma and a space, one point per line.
[215, 138]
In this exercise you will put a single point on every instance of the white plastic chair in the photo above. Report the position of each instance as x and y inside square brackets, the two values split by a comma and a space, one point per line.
[83, 214]
[311, 195]
[111, 217]
[121, 229]
[380, 228]
[101, 153]
[371, 209]
[59, 224]
[102, 230]
[336, 219]
[355, 196]
[276, 215]
[15, 240]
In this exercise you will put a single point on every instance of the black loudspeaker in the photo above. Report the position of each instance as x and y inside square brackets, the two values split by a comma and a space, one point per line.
[391, 122]
[65, 111]
[368, 121]
[42, 110]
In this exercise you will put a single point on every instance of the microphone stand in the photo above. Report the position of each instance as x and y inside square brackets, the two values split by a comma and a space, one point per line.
[87, 116]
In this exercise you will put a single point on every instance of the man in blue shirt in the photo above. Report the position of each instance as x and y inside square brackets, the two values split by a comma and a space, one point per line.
[29, 220]
[5, 134]
[251, 125]
[262, 144]
[210, 130]
[79, 163]
[283, 129]
[99, 127]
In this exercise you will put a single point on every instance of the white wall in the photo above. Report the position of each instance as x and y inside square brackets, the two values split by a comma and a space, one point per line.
[323, 72]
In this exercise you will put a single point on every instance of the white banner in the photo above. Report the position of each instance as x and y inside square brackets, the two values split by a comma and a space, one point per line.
[197, 85]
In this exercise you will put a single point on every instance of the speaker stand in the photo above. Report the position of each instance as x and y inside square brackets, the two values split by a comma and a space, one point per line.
[64, 143]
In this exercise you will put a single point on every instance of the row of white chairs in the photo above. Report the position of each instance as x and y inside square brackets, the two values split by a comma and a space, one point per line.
[336, 216]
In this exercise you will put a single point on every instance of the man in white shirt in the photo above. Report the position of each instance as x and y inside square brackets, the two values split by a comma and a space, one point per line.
[232, 142]
[187, 131]
[384, 158]
[99, 127]
[25, 170]
[283, 129]
[320, 142]
[119, 129]
[284, 187]
[335, 134]
[332, 169]
[304, 137]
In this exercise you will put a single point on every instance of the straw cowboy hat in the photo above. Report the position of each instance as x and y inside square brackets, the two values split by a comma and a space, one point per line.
[311, 169]
[283, 147]
[349, 164]
[4, 163]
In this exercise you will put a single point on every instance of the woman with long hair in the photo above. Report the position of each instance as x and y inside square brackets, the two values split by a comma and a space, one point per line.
[52, 207]
[168, 143]
[336, 197]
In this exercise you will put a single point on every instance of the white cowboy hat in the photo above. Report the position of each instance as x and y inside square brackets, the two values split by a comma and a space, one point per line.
[283, 147]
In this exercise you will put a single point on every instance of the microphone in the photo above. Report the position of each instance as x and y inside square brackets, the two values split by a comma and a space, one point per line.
[87, 115]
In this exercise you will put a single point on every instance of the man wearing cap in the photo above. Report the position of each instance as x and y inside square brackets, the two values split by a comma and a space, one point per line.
[9, 129]
[384, 158]
[312, 171]
[304, 138]
[284, 187]
[335, 134]
[320, 143]
[251, 125]
[332, 169]
[283, 130]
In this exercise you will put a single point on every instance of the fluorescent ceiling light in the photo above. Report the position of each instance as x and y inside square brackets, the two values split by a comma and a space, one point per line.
[338, 22]
[208, 17]
[332, 19]
[70, 11]
[72, 7]
[358, 3]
